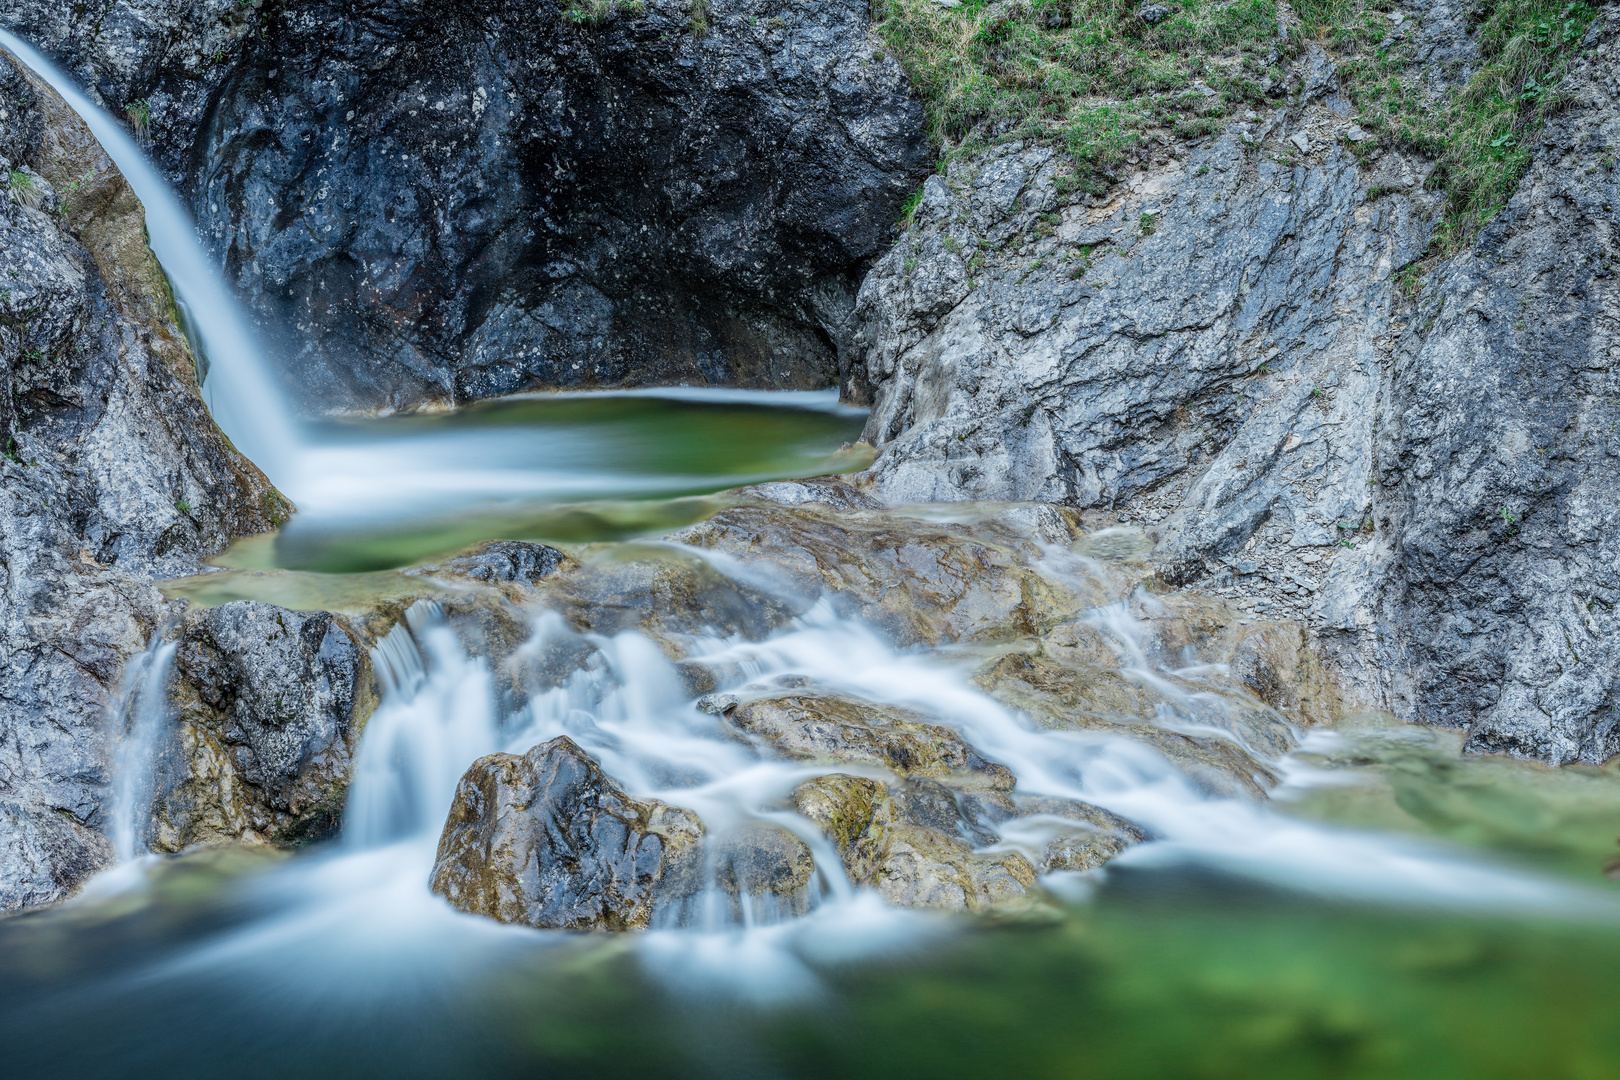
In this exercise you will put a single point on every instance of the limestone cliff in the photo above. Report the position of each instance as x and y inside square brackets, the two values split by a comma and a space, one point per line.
[1251, 346]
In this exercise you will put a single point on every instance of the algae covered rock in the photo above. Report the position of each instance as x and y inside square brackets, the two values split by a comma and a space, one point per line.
[549, 840]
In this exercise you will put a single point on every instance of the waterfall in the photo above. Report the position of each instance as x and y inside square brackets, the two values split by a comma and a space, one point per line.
[138, 723]
[240, 389]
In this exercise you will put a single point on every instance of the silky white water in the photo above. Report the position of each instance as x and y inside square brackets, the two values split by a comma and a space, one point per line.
[358, 920]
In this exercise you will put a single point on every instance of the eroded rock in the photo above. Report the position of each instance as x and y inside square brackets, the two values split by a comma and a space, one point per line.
[111, 473]
[549, 840]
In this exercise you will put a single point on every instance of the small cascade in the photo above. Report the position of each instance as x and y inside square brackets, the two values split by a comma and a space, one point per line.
[138, 723]
[241, 392]
[437, 717]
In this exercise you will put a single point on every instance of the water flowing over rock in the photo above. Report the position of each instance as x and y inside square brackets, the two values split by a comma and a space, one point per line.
[671, 192]
[1246, 351]
[549, 840]
[828, 728]
[112, 473]
[910, 865]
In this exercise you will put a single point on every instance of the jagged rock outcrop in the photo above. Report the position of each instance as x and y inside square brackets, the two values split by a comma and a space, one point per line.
[113, 473]
[549, 840]
[432, 201]
[1240, 351]
[268, 705]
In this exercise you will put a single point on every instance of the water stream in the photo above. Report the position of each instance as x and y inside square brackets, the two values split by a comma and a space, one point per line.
[1246, 937]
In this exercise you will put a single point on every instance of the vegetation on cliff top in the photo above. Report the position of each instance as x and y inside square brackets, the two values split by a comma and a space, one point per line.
[1106, 79]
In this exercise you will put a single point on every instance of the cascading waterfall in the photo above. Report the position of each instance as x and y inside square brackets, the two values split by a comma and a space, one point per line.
[138, 724]
[626, 705]
[240, 389]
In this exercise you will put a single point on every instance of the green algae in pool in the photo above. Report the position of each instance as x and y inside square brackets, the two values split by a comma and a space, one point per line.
[1161, 975]
[1372, 771]
[380, 493]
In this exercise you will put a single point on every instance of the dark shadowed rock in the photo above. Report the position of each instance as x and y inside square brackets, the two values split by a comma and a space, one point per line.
[455, 200]
[766, 862]
[548, 840]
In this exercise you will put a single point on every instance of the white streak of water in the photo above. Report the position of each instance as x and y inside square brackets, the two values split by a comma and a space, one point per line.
[240, 389]
[142, 715]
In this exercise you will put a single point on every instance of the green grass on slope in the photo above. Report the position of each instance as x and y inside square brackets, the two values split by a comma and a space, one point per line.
[1092, 77]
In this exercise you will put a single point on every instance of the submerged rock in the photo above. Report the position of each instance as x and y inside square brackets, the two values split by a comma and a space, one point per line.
[549, 840]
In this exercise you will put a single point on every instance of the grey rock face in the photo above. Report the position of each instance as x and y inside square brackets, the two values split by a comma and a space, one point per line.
[1238, 352]
[1497, 502]
[271, 704]
[113, 473]
[431, 201]
[549, 840]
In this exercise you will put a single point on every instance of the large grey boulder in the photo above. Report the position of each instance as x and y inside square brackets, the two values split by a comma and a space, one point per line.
[268, 706]
[112, 473]
[454, 200]
[1239, 350]
[549, 840]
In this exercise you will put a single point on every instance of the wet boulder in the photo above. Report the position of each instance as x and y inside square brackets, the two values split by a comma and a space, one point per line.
[915, 581]
[825, 727]
[549, 840]
[270, 704]
[909, 864]
[765, 866]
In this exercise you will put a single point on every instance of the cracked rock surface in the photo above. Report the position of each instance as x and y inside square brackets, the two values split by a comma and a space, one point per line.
[1244, 351]
[113, 474]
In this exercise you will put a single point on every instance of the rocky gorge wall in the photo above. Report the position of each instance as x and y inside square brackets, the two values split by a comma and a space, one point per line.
[113, 474]
[1240, 348]
[438, 202]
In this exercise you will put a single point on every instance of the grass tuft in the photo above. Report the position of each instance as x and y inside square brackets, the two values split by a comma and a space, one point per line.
[1091, 78]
